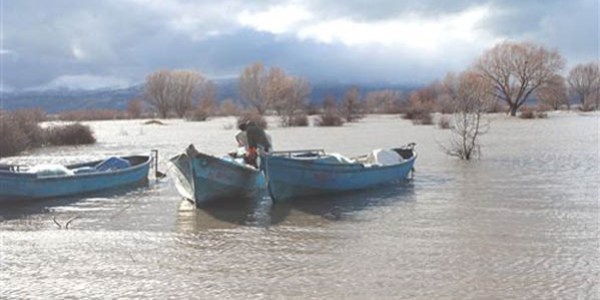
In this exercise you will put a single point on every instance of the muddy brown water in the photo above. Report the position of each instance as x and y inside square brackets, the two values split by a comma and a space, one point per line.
[520, 222]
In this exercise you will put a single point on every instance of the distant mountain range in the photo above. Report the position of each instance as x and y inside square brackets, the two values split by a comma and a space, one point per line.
[57, 100]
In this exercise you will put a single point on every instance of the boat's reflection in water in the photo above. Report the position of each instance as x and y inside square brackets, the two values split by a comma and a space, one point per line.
[24, 208]
[228, 213]
[262, 212]
[341, 207]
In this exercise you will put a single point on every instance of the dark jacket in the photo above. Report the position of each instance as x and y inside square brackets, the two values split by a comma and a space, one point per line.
[256, 136]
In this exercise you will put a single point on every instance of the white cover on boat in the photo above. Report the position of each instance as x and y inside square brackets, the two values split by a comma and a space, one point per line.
[49, 170]
[383, 157]
[342, 159]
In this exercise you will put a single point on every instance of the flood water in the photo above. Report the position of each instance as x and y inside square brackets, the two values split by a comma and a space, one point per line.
[520, 222]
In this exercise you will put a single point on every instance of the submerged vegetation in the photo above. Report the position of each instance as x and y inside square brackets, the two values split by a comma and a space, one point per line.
[506, 78]
[20, 131]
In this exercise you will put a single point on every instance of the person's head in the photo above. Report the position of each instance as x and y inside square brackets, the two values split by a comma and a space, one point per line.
[243, 126]
[249, 124]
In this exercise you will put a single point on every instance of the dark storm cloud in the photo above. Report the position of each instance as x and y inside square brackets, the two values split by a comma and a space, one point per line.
[570, 26]
[46, 40]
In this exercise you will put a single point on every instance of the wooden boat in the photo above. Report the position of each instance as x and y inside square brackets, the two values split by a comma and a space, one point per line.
[202, 178]
[305, 173]
[19, 183]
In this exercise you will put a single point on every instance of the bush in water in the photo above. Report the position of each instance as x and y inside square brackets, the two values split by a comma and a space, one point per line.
[19, 131]
[74, 134]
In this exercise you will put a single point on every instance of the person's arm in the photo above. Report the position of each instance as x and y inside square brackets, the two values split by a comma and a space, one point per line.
[269, 139]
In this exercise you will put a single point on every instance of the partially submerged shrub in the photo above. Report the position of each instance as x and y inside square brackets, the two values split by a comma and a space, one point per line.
[419, 112]
[331, 115]
[424, 119]
[495, 107]
[20, 131]
[419, 117]
[74, 134]
[351, 107]
[329, 118]
[544, 107]
[587, 107]
[199, 114]
[528, 113]
[27, 122]
[299, 121]
[13, 138]
[444, 122]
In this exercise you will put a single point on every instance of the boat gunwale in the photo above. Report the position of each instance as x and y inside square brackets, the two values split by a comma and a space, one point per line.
[315, 165]
[8, 175]
[228, 163]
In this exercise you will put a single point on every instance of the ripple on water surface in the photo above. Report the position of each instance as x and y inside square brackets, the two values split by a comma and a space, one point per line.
[521, 222]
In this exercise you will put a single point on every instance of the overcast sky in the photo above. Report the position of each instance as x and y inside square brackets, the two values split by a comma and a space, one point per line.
[94, 44]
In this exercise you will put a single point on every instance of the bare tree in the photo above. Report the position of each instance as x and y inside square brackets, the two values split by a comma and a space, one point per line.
[252, 87]
[208, 97]
[295, 104]
[421, 103]
[584, 83]
[469, 94]
[330, 115]
[352, 109]
[516, 70]
[166, 90]
[553, 92]
[158, 92]
[286, 95]
[184, 86]
[206, 103]
[277, 88]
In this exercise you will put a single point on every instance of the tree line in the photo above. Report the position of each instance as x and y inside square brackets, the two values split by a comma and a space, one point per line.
[262, 90]
[509, 74]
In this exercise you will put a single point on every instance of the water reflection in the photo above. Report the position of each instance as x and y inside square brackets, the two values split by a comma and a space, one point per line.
[340, 207]
[262, 212]
[25, 208]
[229, 213]
[522, 222]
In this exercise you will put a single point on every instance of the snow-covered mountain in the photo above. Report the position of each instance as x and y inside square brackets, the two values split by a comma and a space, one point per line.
[63, 99]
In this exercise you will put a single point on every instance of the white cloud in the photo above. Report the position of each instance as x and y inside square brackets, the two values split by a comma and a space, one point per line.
[411, 32]
[277, 19]
[78, 52]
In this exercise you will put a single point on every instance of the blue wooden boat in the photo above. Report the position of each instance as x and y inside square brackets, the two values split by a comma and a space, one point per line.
[305, 173]
[19, 183]
[202, 178]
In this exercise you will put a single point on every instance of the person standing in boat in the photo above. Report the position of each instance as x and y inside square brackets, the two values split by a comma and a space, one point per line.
[241, 138]
[256, 137]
